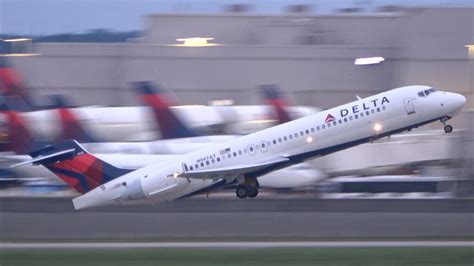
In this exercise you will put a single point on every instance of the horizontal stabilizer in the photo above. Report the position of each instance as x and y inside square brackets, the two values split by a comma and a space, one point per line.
[58, 156]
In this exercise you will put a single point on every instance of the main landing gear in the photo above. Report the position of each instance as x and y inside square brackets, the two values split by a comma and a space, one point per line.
[447, 128]
[247, 189]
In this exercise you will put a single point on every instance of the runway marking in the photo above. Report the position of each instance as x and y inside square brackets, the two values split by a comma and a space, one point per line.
[261, 244]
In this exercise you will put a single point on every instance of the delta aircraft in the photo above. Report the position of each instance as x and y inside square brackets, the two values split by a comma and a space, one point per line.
[126, 155]
[244, 159]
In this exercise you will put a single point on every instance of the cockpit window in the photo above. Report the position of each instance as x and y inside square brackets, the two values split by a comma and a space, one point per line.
[426, 92]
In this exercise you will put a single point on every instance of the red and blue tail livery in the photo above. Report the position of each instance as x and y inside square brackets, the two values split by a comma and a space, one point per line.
[70, 124]
[75, 166]
[19, 138]
[170, 125]
[11, 85]
[273, 97]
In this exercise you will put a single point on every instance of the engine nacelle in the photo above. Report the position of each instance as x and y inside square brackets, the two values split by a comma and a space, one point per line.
[132, 191]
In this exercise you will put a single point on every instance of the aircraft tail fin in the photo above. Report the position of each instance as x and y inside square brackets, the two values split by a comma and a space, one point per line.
[272, 95]
[75, 166]
[70, 125]
[170, 125]
[19, 139]
[11, 84]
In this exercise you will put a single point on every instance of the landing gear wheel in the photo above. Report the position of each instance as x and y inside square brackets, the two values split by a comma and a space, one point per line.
[448, 129]
[253, 192]
[241, 192]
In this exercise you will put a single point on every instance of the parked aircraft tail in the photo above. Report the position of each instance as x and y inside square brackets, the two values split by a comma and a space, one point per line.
[12, 85]
[71, 127]
[272, 95]
[19, 139]
[170, 125]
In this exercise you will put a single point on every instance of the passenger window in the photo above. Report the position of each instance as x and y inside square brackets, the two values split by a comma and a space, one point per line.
[291, 136]
[240, 152]
[196, 166]
[312, 129]
[202, 164]
[323, 126]
[318, 128]
[218, 159]
[307, 131]
[350, 117]
[356, 116]
[362, 114]
[334, 123]
[329, 125]
[191, 167]
[235, 154]
[228, 155]
[213, 161]
[285, 138]
[207, 162]
[274, 142]
[367, 112]
[345, 119]
[373, 111]
[340, 121]
[296, 135]
[378, 109]
[383, 107]
[279, 140]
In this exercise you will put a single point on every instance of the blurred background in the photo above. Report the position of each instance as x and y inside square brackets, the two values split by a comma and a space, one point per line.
[228, 68]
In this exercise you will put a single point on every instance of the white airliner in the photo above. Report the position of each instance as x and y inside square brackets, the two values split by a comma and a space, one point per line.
[128, 155]
[243, 159]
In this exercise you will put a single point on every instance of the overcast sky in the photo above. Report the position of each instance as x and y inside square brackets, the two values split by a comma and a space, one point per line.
[40, 17]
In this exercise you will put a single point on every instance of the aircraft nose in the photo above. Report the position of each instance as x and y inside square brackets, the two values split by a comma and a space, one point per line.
[458, 100]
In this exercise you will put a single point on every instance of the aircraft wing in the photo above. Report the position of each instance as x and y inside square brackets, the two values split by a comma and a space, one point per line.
[230, 172]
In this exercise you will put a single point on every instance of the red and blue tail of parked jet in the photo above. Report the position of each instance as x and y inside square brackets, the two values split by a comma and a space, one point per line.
[71, 127]
[272, 95]
[75, 166]
[18, 137]
[170, 125]
[12, 85]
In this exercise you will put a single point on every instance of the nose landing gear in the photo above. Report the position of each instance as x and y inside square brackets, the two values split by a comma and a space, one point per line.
[447, 128]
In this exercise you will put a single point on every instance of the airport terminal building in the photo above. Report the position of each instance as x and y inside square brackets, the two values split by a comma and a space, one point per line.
[310, 55]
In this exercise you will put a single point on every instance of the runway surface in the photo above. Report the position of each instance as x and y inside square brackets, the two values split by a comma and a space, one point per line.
[223, 218]
[292, 203]
[286, 244]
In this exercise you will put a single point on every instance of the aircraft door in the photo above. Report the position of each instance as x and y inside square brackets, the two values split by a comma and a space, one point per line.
[409, 107]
